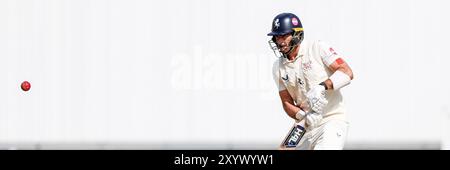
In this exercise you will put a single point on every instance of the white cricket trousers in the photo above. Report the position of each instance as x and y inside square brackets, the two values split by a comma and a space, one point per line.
[331, 135]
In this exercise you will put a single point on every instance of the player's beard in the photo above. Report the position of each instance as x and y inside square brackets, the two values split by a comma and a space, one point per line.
[284, 49]
[287, 49]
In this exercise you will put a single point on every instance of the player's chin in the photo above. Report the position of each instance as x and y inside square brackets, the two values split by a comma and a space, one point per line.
[284, 50]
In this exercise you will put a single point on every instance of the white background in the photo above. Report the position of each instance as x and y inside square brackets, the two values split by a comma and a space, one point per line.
[175, 73]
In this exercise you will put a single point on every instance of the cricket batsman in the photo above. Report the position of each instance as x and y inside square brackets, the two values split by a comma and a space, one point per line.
[309, 76]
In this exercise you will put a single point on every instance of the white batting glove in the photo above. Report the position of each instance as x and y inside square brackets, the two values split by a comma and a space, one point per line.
[316, 98]
[312, 119]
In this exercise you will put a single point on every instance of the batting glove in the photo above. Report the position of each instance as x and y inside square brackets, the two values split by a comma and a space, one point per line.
[316, 98]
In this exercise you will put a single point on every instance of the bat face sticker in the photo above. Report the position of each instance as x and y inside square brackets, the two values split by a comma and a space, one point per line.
[294, 137]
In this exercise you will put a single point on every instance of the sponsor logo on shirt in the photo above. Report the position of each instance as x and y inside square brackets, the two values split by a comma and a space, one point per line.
[285, 79]
[300, 81]
[332, 51]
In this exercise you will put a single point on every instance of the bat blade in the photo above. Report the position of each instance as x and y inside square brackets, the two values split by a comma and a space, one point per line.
[294, 136]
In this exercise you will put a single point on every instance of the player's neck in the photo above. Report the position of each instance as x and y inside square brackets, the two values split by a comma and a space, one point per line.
[293, 54]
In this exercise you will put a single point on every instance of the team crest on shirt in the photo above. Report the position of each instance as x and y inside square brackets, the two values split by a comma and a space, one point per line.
[306, 65]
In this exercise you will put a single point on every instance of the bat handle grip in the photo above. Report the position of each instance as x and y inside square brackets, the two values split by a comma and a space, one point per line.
[304, 105]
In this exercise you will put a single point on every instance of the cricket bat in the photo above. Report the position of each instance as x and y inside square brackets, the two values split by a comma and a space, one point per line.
[294, 135]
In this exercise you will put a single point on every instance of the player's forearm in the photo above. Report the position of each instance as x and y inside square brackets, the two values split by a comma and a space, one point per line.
[347, 70]
[290, 109]
[342, 75]
[329, 85]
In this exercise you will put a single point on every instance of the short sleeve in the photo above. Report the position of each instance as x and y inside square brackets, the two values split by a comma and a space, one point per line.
[276, 76]
[327, 53]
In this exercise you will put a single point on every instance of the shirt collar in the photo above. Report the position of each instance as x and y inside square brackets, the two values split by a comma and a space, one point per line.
[301, 53]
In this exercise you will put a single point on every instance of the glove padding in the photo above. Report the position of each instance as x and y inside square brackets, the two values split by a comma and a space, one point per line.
[316, 98]
[312, 119]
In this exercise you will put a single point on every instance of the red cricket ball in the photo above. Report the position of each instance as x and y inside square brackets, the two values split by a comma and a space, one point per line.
[25, 86]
